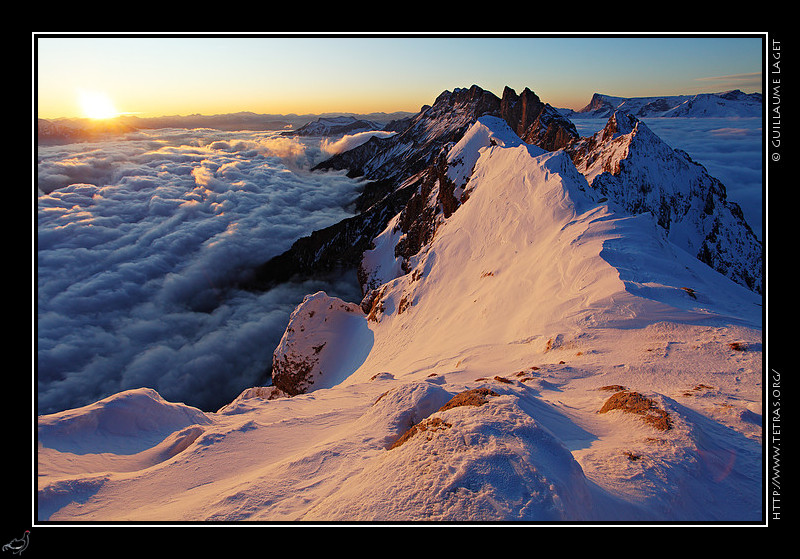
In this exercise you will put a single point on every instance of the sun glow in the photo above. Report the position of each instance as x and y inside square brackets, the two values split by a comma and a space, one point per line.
[97, 105]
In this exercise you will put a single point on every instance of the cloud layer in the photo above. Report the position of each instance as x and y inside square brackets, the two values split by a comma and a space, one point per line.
[137, 241]
[332, 147]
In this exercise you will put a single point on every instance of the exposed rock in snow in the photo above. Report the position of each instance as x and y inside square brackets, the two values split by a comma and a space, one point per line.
[320, 347]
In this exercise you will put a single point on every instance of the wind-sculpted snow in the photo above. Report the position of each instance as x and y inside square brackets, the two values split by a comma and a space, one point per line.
[124, 423]
[492, 462]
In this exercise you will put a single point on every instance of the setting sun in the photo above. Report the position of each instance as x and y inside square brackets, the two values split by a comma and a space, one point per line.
[97, 105]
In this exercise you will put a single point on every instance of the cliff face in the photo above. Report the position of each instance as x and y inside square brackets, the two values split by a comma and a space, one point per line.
[536, 122]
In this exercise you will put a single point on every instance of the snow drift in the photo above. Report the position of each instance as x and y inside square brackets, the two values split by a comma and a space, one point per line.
[467, 386]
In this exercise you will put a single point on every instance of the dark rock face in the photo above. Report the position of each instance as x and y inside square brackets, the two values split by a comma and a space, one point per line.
[418, 219]
[291, 374]
[535, 122]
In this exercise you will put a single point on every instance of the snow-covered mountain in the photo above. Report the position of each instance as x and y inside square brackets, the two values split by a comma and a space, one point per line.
[628, 163]
[540, 353]
[335, 126]
[734, 103]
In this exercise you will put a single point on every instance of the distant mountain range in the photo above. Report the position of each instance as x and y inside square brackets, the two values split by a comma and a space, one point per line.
[347, 124]
[733, 103]
[63, 130]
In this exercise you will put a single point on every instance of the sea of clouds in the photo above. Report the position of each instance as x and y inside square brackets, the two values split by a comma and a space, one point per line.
[138, 241]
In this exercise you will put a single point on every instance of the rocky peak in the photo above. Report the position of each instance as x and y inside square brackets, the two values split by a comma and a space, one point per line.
[477, 99]
[600, 104]
[536, 122]
[618, 124]
[444, 122]
[520, 111]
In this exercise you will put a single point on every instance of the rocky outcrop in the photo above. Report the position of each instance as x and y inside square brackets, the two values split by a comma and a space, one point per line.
[632, 402]
[326, 340]
[536, 122]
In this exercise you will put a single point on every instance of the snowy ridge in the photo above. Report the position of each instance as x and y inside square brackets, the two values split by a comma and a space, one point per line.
[479, 384]
[381, 263]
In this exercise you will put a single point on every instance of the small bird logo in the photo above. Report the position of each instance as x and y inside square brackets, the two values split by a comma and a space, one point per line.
[18, 545]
